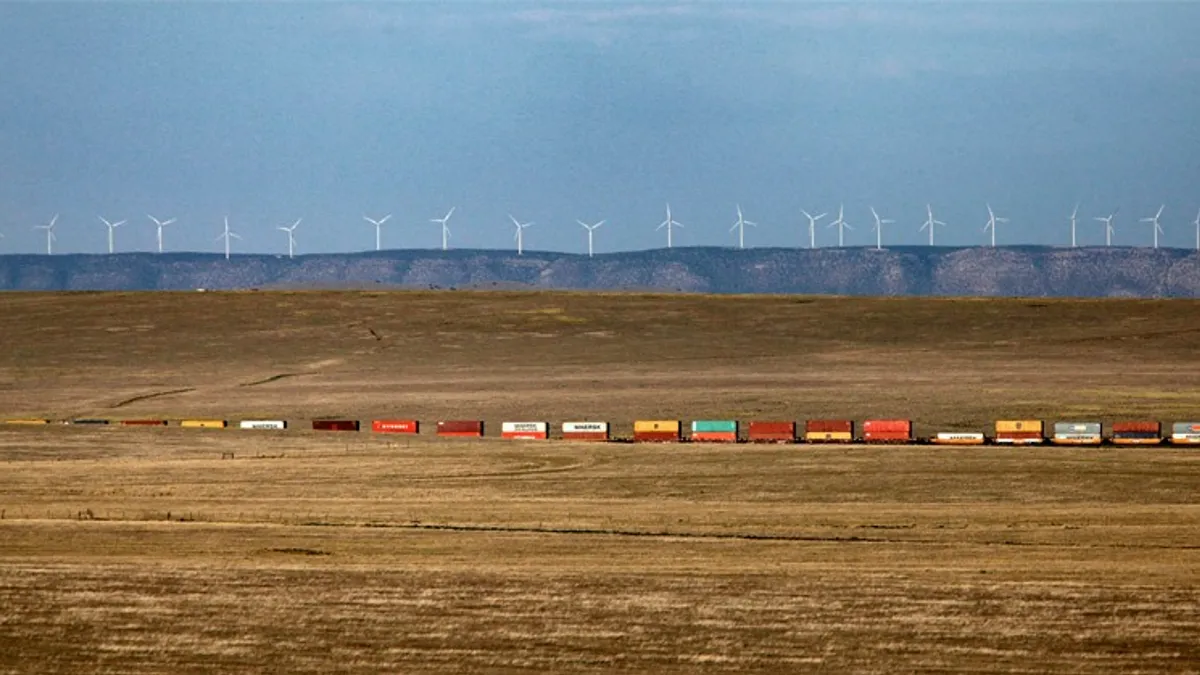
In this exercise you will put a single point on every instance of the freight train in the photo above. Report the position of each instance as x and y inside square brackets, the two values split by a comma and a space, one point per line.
[815, 431]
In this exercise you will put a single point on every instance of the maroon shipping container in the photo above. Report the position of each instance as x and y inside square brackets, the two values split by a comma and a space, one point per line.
[771, 432]
[144, 423]
[829, 426]
[335, 425]
[655, 436]
[460, 428]
[1137, 427]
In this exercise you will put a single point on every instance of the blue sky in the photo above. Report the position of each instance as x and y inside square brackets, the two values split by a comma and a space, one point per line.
[557, 111]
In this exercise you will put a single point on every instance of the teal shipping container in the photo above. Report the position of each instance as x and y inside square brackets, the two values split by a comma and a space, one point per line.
[715, 426]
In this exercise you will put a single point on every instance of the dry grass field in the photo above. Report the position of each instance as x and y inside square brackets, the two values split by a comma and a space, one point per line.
[178, 550]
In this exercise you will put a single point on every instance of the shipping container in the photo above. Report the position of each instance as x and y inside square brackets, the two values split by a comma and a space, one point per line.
[1019, 438]
[771, 432]
[714, 431]
[263, 424]
[335, 425]
[656, 431]
[460, 428]
[957, 438]
[888, 431]
[89, 421]
[1077, 433]
[144, 423]
[1019, 426]
[824, 431]
[203, 424]
[585, 431]
[396, 427]
[530, 431]
[24, 422]
[1185, 433]
[1137, 433]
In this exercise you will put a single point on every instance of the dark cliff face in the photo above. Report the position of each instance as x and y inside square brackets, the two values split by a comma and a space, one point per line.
[1017, 271]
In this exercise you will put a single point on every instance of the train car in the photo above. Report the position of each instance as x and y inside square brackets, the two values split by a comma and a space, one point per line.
[335, 425]
[396, 426]
[887, 431]
[262, 424]
[143, 423]
[1137, 433]
[829, 431]
[714, 431]
[460, 428]
[585, 431]
[27, 422]
[657, 431]
[90, 421]
[1185, 433]
[957, 438]
[1020, 432]
[1077, 433]
[771, 432]
[203, 424]
[528, 431]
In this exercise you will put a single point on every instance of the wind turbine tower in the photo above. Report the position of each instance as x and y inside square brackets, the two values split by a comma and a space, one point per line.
[291, 237]
[590, 229]
[930, 223]
[991, 223]
[1073, 214]
[227, 236]
[1197, 224]
[49, 228]
[1156, 227]
[160, 224]
[520, 234]
[740, 226]
[378, 229]
[111, 228]
[841, 226]
[669, 223]
[1108, 227]
[445, 229]
[879, 223]
[812, 227]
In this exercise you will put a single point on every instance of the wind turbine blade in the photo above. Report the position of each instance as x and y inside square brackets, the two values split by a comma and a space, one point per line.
[54, 220]
[515, 222]
[450, 212]
[385, 219]
[750, 223]
[938, 222]
[600, 223]
[235, 235]
[735, 226]
[296, 223]
[168, 221]
[118, 223]
[581, 222]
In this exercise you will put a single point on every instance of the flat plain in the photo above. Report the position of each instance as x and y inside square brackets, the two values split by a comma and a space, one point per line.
[191, 550]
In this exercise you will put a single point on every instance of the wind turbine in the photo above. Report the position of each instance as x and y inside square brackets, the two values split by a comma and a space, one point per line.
[841, 225]
[445, 230]
[1157, 228]
[930, 223]
[879, 223]
[111, 227]
[1073, 214]
[740, 226]
[520, 235]
[991, 223]
[161, 224]
[1108, 227]
[590, 229]
[49, 228]
[669, 223]
[812, 227]
[227, 235]
[378, 229]
[291, 237]
[1197, 224]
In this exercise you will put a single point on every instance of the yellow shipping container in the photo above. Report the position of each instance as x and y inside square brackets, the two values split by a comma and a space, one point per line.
[1018, 426]
[648, 426]
[203, 424]
[29, 421]
[820, 436]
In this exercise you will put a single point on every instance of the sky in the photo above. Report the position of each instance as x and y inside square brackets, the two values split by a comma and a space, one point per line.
[558, 111]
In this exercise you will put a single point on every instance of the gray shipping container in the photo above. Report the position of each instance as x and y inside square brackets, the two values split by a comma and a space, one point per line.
[1185, 428]
[1065, 428]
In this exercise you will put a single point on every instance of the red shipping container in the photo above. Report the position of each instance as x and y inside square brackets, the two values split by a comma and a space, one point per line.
[656, 437]
[462, 428]
[771, 432]
[144, 423]
[396, 427]
[1137, 427]
[887, 430]
[335, 425]
[714, 437]
[824, 426]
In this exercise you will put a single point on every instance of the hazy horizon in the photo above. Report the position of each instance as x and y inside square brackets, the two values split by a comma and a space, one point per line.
[561, 111]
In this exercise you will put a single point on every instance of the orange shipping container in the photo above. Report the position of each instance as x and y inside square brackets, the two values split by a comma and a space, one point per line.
[396, 427]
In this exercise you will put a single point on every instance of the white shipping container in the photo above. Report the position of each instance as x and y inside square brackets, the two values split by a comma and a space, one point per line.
[519, 427]
[1076, 428]
[959, 436]
[584, 427]
[1077, 437]
[263, 424]
[1186, 428]
[1186, 438]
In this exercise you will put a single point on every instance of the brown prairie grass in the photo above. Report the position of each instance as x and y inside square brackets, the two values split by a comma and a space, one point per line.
[177, 550]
